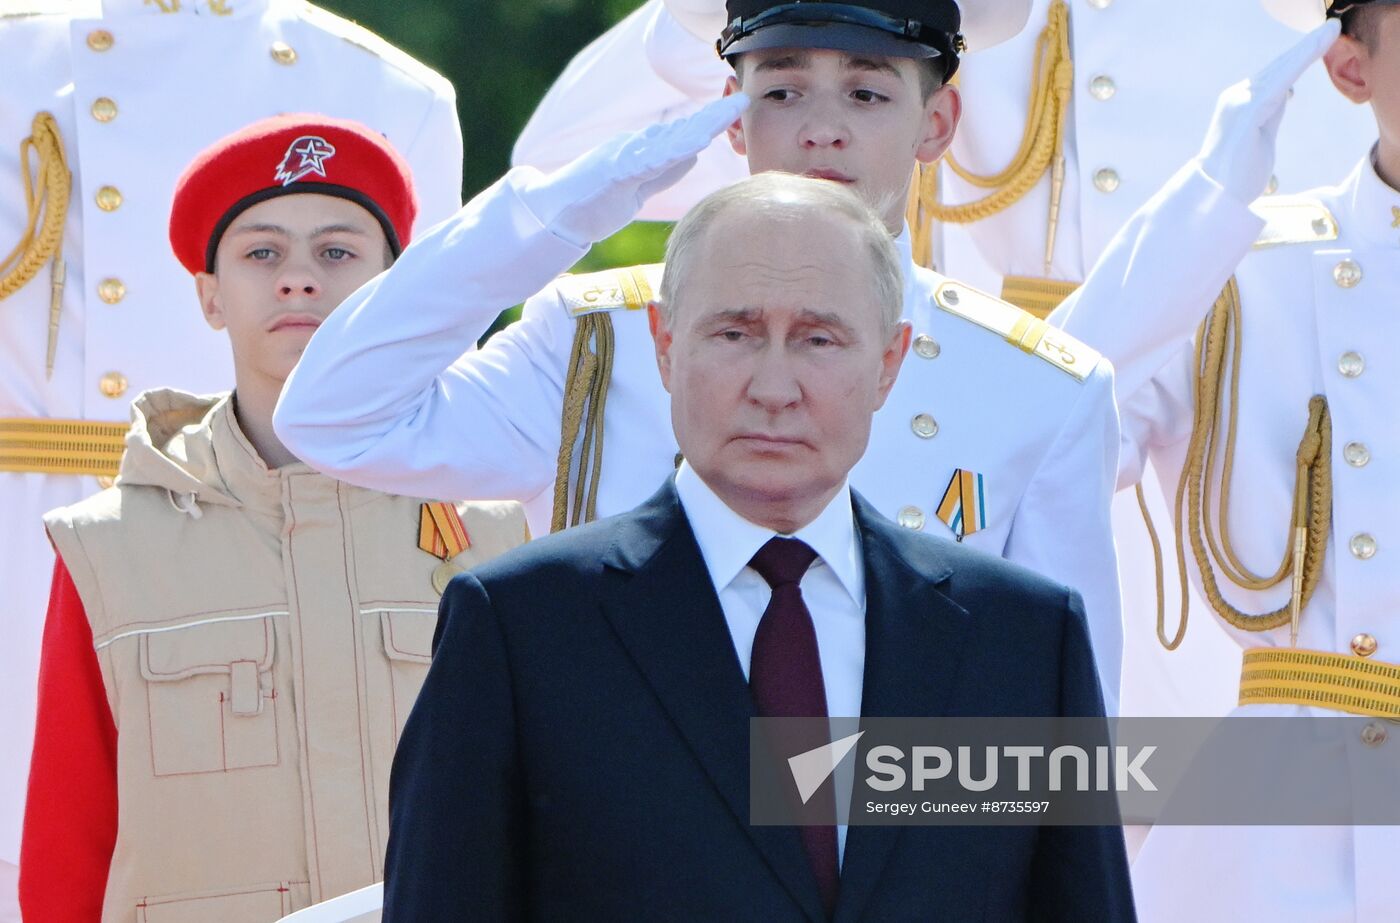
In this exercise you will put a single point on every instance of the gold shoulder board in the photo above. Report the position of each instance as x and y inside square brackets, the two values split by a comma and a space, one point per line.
[1025, 331]
[629, 288]
[1293, 220]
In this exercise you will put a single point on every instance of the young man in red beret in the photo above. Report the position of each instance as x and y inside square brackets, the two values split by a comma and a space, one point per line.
[234, 640]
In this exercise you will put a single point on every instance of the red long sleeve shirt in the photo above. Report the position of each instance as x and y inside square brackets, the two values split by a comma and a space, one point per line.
[70, 818]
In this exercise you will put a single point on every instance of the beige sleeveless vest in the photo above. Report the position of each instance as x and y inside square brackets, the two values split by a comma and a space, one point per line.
[262, 636]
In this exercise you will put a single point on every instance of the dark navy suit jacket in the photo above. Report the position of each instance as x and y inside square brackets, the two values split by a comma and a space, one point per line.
[580, 748]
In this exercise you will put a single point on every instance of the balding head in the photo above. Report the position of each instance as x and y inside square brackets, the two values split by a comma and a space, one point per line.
[778, 336]
[783, 205]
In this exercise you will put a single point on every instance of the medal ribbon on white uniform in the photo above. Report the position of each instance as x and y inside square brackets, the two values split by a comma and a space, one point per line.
[964, 505]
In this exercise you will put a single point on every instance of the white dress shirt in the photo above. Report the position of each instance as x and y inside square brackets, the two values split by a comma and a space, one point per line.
[833, 589]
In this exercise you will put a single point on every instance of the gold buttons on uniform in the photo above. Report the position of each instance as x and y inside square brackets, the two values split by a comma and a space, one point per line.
[105, 480]
[113, 384]
[109, 198]
[926, 347]
[1347, 273]
[111, 290]
[1272, 186]
[950, 296]
[104, 109]
[1351, 365]
[1363, 546]
[1373, 735]
[924, 426]
[1102, 87]
[1364, 645]
[1107, 180]
[283, 53]
[911, 517]
[1356, 454]
[100, 40]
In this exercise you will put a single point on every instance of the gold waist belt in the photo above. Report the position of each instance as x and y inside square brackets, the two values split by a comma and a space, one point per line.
[1289, 676]
[61, 446]
[1038, 296]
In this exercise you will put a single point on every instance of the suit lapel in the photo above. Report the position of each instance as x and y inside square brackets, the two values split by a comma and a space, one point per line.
[662, 604]
[913, 638]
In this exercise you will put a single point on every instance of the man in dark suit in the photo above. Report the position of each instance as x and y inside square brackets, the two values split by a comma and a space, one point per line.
[580, 749]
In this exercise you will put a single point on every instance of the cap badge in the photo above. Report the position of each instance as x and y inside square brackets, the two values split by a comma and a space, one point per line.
[306, 155]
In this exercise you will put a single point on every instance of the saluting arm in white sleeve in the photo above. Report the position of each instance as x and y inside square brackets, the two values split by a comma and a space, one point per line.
[648, 68]
[389, 395]
[1160, 275]
[1063, 528]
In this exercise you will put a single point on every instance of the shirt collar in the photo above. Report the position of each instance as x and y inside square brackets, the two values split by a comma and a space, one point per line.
[1375, 208]
[728, 541]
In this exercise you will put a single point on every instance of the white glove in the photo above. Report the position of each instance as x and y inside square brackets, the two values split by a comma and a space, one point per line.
[599, 193]
[1239, 146]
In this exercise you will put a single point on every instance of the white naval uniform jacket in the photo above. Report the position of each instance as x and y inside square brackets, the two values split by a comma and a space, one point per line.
[388, 394]
[1318, 318]
[178, 82]
[1146, 79]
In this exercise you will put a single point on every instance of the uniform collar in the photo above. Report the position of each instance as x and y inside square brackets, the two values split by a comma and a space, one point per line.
[245, 475]
[728, 541]
[1374, 208]
[213, 10]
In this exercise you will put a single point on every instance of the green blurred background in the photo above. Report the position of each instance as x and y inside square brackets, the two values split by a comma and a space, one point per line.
[502, 55]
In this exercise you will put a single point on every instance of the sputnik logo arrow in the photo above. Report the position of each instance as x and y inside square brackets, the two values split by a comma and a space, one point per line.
[811, 769]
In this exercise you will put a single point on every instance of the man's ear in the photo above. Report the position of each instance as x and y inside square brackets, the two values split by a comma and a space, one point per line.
[661, 337]
[942, 112]
[206, 285]
[1348, 63]
[896, 348]
[736, 131]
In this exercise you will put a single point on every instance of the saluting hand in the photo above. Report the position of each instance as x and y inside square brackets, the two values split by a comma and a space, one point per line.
[1239, 146]
[600, 192]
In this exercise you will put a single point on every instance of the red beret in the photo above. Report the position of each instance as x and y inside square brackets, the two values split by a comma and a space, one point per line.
[284, 155]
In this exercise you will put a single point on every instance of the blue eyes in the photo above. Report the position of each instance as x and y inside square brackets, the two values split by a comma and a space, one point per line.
[333, 254]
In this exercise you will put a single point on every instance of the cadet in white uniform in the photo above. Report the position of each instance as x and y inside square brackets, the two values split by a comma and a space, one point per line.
[1313, 500]
[999, 431]
[131, 91]
[1138, 81]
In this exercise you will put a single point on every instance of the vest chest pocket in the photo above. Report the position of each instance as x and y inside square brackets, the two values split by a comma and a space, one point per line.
[211, 697]
[408, 646]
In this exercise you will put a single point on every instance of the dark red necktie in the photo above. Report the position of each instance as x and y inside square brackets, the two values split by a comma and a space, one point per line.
[785, 677]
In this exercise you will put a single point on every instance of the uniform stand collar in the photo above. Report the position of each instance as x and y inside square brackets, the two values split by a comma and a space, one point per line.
[1375, 208]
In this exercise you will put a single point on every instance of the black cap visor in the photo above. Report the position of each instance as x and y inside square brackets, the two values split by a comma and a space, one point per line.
[840, 27]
